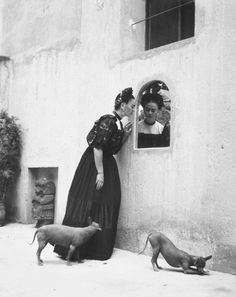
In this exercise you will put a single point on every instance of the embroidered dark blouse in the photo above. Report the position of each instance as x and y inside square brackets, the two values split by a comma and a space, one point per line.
[155, 140]
[106, 135]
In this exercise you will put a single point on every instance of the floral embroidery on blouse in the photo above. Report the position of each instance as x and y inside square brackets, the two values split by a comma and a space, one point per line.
[105, 135]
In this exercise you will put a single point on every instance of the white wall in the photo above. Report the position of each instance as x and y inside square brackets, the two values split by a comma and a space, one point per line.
[71, 58]
[188, 191]
[1, 31]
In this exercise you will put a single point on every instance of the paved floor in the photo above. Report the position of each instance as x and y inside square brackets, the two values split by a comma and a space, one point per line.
[125, 274]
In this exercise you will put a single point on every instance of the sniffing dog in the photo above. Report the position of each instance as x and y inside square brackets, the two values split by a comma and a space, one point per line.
[173, 256]
[71, 237]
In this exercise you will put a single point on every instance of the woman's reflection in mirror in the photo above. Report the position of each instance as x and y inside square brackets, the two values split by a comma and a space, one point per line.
[153, 125]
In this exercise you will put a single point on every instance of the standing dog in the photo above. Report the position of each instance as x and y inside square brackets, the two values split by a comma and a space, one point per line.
[173, 256]
[70, 237]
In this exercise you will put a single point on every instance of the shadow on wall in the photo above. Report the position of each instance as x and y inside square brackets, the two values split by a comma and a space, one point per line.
[5, 75]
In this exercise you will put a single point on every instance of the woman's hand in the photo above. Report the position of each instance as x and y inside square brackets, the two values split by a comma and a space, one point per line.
[128, 129]
[99, 180]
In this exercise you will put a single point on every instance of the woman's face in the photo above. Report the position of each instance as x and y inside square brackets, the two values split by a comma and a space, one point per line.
[150, 112]
[128, 108]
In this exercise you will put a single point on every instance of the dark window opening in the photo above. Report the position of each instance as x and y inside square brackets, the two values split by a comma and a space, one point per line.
[168, 21]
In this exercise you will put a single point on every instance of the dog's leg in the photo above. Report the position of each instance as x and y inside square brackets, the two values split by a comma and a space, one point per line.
[156, 252]
[77, 257]
[191, 270]
[70, 253]
[41, 246]
[187, 269]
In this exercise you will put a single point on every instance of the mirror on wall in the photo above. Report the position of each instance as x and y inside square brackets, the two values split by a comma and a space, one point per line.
[153, 116]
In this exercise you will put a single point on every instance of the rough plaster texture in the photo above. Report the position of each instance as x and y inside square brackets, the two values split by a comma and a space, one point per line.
[69, 63]
[5, 81]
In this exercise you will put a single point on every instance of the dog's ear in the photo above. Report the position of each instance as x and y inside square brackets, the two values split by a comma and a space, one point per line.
[208, 258]
[90, 220]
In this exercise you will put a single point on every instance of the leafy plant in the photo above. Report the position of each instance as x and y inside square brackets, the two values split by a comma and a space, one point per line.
[10, 151]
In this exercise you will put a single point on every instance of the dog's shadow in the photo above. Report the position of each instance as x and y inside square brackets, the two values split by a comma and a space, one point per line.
[61, 261]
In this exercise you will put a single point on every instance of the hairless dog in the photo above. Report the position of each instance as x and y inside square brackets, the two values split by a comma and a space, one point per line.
[71, 237]
[173, 256]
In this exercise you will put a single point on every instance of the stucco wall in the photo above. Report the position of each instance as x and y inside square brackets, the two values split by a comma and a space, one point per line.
[188, 191]
[70, 60]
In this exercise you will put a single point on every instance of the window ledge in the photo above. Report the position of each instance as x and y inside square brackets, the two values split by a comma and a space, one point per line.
[145, 54]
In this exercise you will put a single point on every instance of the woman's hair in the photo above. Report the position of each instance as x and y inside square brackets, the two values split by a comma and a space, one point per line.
[124, 97]
[150, 97]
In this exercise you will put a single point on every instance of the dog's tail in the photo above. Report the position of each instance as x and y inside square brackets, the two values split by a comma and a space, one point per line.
[145, 244]
[34, 236]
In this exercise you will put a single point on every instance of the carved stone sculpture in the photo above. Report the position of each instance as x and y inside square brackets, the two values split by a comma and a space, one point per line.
[43, 202]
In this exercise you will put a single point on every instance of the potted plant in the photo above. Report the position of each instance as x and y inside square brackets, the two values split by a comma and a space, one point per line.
[10, 153]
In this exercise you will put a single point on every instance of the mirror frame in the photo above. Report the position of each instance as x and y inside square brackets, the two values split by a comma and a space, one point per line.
[135, 130]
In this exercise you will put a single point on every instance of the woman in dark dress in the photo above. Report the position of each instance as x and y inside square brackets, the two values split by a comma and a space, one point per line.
[152, 133]
[95, 190]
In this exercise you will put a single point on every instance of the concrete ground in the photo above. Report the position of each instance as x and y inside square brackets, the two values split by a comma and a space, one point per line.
[125, 274]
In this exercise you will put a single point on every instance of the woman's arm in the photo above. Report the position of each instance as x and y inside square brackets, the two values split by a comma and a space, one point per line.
[98, 158]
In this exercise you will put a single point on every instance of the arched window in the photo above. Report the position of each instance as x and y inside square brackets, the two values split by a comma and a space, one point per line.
[153, 116]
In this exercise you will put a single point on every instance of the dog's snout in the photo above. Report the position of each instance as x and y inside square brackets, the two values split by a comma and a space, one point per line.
[200, 270]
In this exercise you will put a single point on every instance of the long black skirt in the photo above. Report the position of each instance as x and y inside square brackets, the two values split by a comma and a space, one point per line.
[102, 206]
